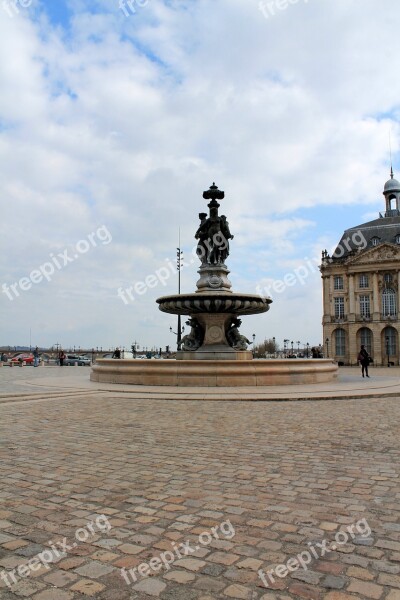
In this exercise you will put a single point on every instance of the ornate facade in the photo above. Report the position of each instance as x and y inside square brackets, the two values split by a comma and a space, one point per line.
[361, 288]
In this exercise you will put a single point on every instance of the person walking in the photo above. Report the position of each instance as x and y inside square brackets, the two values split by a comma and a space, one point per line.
[117, 353]
[364, 359]
[61, 357]
[36, 357]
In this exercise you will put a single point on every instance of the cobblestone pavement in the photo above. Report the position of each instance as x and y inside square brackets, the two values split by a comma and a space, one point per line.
[280, 476]
[19, 379]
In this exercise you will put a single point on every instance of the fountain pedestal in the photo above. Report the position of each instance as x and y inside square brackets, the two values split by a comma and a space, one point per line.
[215, 345]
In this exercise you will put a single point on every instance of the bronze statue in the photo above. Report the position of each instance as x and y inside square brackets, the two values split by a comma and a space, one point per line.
[213, 235]
[235, 339]
[195, 338]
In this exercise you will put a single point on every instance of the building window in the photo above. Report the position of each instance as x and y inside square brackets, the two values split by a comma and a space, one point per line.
[366, 339]
[338, 282]
[340, 342]
[365, 307]
[375, 241]
[388, 278]
[339, 308]
[390, 341]
[398, 238]
[389, 305]
[364, 283]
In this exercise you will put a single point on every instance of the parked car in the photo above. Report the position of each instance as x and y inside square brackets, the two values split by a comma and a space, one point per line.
[71, 359]
[28, 358]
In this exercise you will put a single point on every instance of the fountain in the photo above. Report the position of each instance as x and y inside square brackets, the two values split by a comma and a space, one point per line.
[214, 309]
[214, 353]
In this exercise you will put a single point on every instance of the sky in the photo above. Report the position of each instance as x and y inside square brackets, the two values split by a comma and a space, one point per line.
[115, 117]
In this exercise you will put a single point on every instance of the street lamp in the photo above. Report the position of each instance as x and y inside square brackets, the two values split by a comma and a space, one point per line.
[254, 340]
[308, 345]
[327, 347]
[298, 347]
[273, 339]
[292, 347]
[387, 350]
[285, 343]
[179, 264]
[178, 334]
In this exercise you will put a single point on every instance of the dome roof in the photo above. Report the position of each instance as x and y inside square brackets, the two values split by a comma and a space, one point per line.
[392, 185]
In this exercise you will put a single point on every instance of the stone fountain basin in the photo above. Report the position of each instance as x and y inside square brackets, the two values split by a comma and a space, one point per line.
[214, 302]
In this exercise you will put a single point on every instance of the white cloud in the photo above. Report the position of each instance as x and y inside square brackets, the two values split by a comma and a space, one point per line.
[123, 121]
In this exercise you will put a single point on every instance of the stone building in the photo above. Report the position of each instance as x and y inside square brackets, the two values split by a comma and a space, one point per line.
[361, 288]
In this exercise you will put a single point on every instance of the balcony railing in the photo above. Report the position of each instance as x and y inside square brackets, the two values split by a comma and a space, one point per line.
[388, 317]
[342, 319]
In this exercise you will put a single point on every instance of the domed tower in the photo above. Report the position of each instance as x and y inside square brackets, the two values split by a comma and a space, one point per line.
[391, 192]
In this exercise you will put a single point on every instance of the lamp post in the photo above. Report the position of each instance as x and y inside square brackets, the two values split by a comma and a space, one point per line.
[254, 341]
[327, 347]
[298, 347]
[285, 343]
[179, 264]
[308, 346]
[273, 339]
[178, 334]
[292, 346]
[387, 350]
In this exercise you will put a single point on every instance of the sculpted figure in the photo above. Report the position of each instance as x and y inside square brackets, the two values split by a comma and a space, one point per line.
[235, 339]
[213, 235]
[195, 338]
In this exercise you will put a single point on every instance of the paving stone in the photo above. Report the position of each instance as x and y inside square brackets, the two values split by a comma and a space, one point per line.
[368, 590]
[94, 569]
[152, 587]
[209, 584]
[131, 548]
[334, 582]
[390, 580]
[237, 591]
[192, 564]
[213, 569]
[27, 588]
[60, 578]
[53, 595]
[303, 591]
[178, 593]
[179, 576]
[87, 587]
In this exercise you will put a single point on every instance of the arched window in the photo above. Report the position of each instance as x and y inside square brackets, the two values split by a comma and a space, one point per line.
[340, 342]
[390, 341]
[366, 339]
[389, 304]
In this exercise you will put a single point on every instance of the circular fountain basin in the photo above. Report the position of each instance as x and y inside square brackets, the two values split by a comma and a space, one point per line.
[214, 302]
[214, 373]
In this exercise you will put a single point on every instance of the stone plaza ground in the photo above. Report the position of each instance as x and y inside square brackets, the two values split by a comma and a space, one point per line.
[108, 479]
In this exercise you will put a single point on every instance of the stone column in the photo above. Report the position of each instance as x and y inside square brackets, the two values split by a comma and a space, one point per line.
[325, 283]
[352, 312]
[375, 297]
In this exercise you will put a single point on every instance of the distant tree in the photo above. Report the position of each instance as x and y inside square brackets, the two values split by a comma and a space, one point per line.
[268, 346]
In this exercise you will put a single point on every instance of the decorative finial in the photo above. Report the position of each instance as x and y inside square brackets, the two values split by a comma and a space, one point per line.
[391, 172]
[213, 193]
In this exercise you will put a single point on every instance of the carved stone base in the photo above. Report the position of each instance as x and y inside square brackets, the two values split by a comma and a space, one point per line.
[214, 326]
[213, 278]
